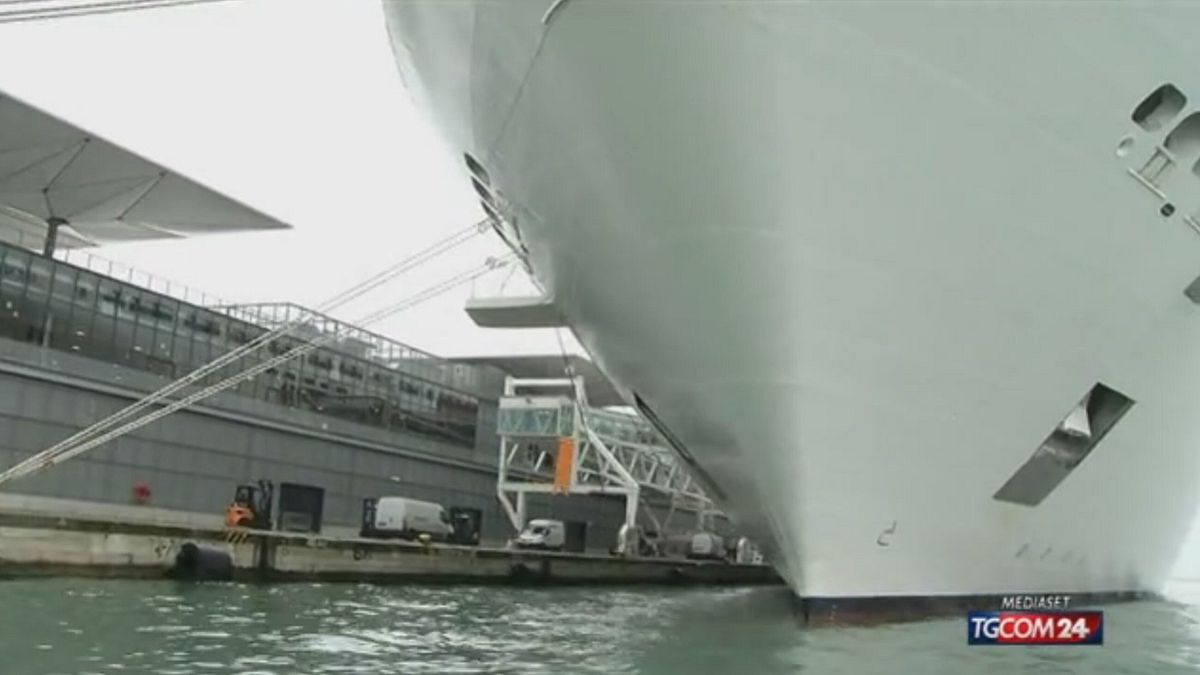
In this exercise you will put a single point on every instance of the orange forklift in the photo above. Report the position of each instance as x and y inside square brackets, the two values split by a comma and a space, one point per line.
[251, 506]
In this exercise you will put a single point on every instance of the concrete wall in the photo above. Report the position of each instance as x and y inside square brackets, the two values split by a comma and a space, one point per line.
[193, 460]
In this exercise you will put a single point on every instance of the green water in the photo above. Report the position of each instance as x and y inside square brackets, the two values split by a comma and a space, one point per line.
[85, 626]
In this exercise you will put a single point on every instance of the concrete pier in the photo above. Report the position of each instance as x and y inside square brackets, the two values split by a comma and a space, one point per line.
[47, 544]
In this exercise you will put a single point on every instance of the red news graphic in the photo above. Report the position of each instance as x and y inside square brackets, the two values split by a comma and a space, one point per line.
[1035, 628]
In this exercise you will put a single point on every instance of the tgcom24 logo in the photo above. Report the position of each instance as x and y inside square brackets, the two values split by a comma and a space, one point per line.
[1035, 628]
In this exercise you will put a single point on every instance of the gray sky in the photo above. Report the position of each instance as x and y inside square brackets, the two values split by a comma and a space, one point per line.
[295, 108]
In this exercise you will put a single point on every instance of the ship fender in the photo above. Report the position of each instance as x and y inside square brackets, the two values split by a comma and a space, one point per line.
[195, 563]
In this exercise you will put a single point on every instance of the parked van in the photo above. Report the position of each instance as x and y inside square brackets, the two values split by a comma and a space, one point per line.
[410, 518]
[707, 545]
[543, 533]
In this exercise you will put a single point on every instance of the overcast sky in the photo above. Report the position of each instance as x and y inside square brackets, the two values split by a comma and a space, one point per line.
[295, 108]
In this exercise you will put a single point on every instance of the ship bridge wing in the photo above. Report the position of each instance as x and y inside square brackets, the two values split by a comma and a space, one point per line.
[63, 186]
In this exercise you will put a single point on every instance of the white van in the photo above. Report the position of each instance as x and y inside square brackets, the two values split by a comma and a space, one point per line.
[410, 518]
[543, 533]
[707, 545]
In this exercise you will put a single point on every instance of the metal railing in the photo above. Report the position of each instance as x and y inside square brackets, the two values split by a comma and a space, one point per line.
[135, 277]
[477, 380]
[131, 318]
[370, 346]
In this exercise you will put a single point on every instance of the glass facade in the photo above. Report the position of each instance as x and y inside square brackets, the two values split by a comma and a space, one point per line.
[547, 418]
[358, 376]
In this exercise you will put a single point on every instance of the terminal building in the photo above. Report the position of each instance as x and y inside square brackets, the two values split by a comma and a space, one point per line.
[361, 417]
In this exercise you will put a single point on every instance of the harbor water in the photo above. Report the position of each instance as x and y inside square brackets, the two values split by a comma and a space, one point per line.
[92, 626]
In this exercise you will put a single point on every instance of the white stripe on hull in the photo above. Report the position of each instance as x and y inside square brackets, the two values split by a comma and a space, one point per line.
[861, 259]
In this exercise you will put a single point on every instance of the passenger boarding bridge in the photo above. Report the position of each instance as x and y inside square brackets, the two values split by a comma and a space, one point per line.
[552, 441]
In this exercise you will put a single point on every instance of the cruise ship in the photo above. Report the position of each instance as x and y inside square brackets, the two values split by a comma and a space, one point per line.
[913, 287]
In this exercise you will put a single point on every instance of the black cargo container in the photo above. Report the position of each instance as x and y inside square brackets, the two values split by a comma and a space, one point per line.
[574, 536]
[467, 524]
[300, 507]
[367, 528]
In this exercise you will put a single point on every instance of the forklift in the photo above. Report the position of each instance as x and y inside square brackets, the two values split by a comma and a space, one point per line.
[465, 523]
[251, 506]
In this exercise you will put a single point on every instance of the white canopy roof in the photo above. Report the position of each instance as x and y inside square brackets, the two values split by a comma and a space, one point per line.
[51, 170]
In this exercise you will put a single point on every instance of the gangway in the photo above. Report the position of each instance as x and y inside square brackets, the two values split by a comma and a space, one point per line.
[552, 442]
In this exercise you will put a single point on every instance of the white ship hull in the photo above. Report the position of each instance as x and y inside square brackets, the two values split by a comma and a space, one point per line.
[861, 259]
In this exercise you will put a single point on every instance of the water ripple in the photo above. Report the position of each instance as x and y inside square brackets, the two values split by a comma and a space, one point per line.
[85, 626]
